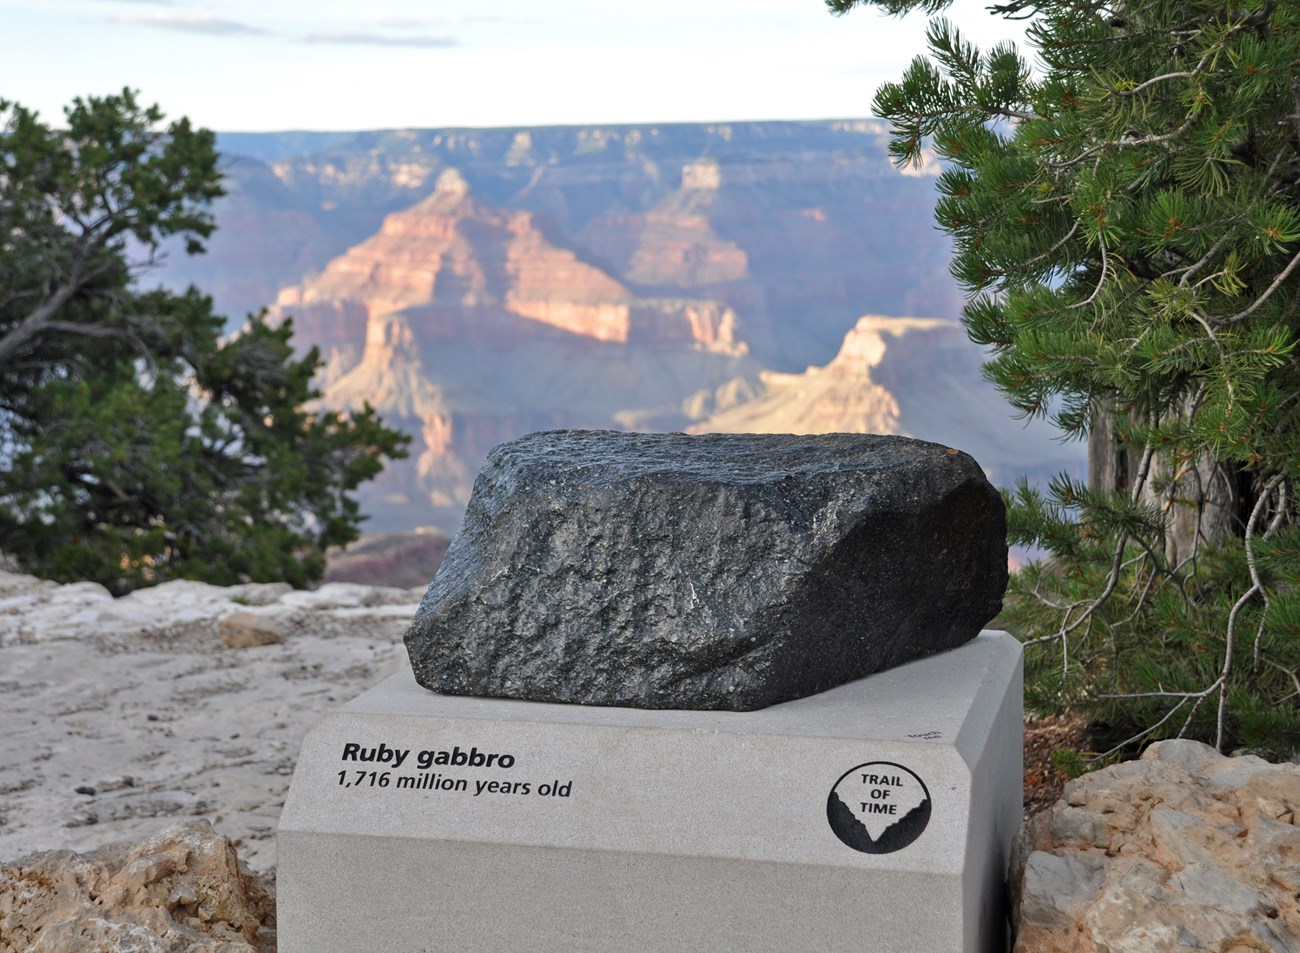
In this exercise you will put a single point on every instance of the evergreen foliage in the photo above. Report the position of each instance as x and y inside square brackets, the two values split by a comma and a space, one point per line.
[136, 445]
[1127, 220]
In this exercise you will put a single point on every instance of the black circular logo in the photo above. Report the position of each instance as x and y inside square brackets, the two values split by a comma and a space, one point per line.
[878, 807]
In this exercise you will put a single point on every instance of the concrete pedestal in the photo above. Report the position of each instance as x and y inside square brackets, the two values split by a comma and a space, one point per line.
[875, 816]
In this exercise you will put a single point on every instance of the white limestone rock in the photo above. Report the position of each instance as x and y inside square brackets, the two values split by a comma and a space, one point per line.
[34, 611]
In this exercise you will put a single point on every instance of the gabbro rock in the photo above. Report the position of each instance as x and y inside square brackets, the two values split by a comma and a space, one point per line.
[708, 572]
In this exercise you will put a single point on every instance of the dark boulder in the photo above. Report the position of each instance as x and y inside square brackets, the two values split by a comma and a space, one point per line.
[723, 571]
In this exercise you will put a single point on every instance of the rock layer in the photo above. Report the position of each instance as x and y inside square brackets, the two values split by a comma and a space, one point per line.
[709, 572]
[464, 325]
[1184, 849]
[454, 252]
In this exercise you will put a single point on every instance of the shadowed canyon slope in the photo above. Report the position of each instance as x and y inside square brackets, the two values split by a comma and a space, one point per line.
[474, 285]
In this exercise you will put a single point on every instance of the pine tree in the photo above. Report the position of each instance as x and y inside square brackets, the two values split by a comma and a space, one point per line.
[136, 443]
[1126, 217]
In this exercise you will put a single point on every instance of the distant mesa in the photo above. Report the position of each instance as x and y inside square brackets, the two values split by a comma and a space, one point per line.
[466, 325]
[795, 226]
[451, 251]
[840, 397]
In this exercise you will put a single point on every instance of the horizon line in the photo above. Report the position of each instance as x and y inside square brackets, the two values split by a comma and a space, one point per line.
[547, 125]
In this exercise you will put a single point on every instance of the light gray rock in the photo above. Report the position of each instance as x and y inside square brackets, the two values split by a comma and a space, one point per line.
[708, 572]
[345, 595]
[259, 593]
[37, 611]
[1188, 839]
[1059, 888]
[121, 712]
[1209, 889]
[1165, 854]
[1193, 756]
[1079, 826]
[1130, 912]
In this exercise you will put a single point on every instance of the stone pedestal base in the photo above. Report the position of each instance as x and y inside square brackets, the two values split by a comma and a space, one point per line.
[875, 816]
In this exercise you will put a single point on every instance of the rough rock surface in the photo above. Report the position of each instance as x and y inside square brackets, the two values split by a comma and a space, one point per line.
[1184, 849]
[182, 889]
[708, 572]
[120, 716]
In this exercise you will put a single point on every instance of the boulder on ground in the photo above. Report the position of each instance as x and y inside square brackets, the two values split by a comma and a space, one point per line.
[1184, 849]
[723, 571]
[182, 889]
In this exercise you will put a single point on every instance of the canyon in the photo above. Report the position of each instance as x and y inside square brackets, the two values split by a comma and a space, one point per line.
[919, 377]
[475, 285]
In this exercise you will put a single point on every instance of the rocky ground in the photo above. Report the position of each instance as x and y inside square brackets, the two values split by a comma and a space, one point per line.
[148, 741]
[183, 701]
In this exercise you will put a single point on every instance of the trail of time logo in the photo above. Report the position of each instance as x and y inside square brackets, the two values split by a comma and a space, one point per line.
[878, 807]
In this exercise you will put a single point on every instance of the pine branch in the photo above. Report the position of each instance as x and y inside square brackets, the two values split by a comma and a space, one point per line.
[1268, 293]
[1256, 587]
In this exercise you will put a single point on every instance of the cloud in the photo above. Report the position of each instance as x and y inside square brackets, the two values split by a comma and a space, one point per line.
[209, 26]
[378, 39]
[420, 23]
[484, 18]
[410, 23]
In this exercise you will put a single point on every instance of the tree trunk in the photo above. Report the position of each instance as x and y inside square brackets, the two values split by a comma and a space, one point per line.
[1202, 500]
[1111, 464]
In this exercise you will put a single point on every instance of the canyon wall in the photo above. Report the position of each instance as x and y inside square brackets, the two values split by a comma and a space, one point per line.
[799, 226]
[474, 285]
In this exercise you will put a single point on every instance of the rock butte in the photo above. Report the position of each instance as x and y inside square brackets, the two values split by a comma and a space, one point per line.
[453, 251]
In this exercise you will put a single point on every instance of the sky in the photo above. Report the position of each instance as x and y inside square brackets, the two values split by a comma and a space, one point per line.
[266, 65]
